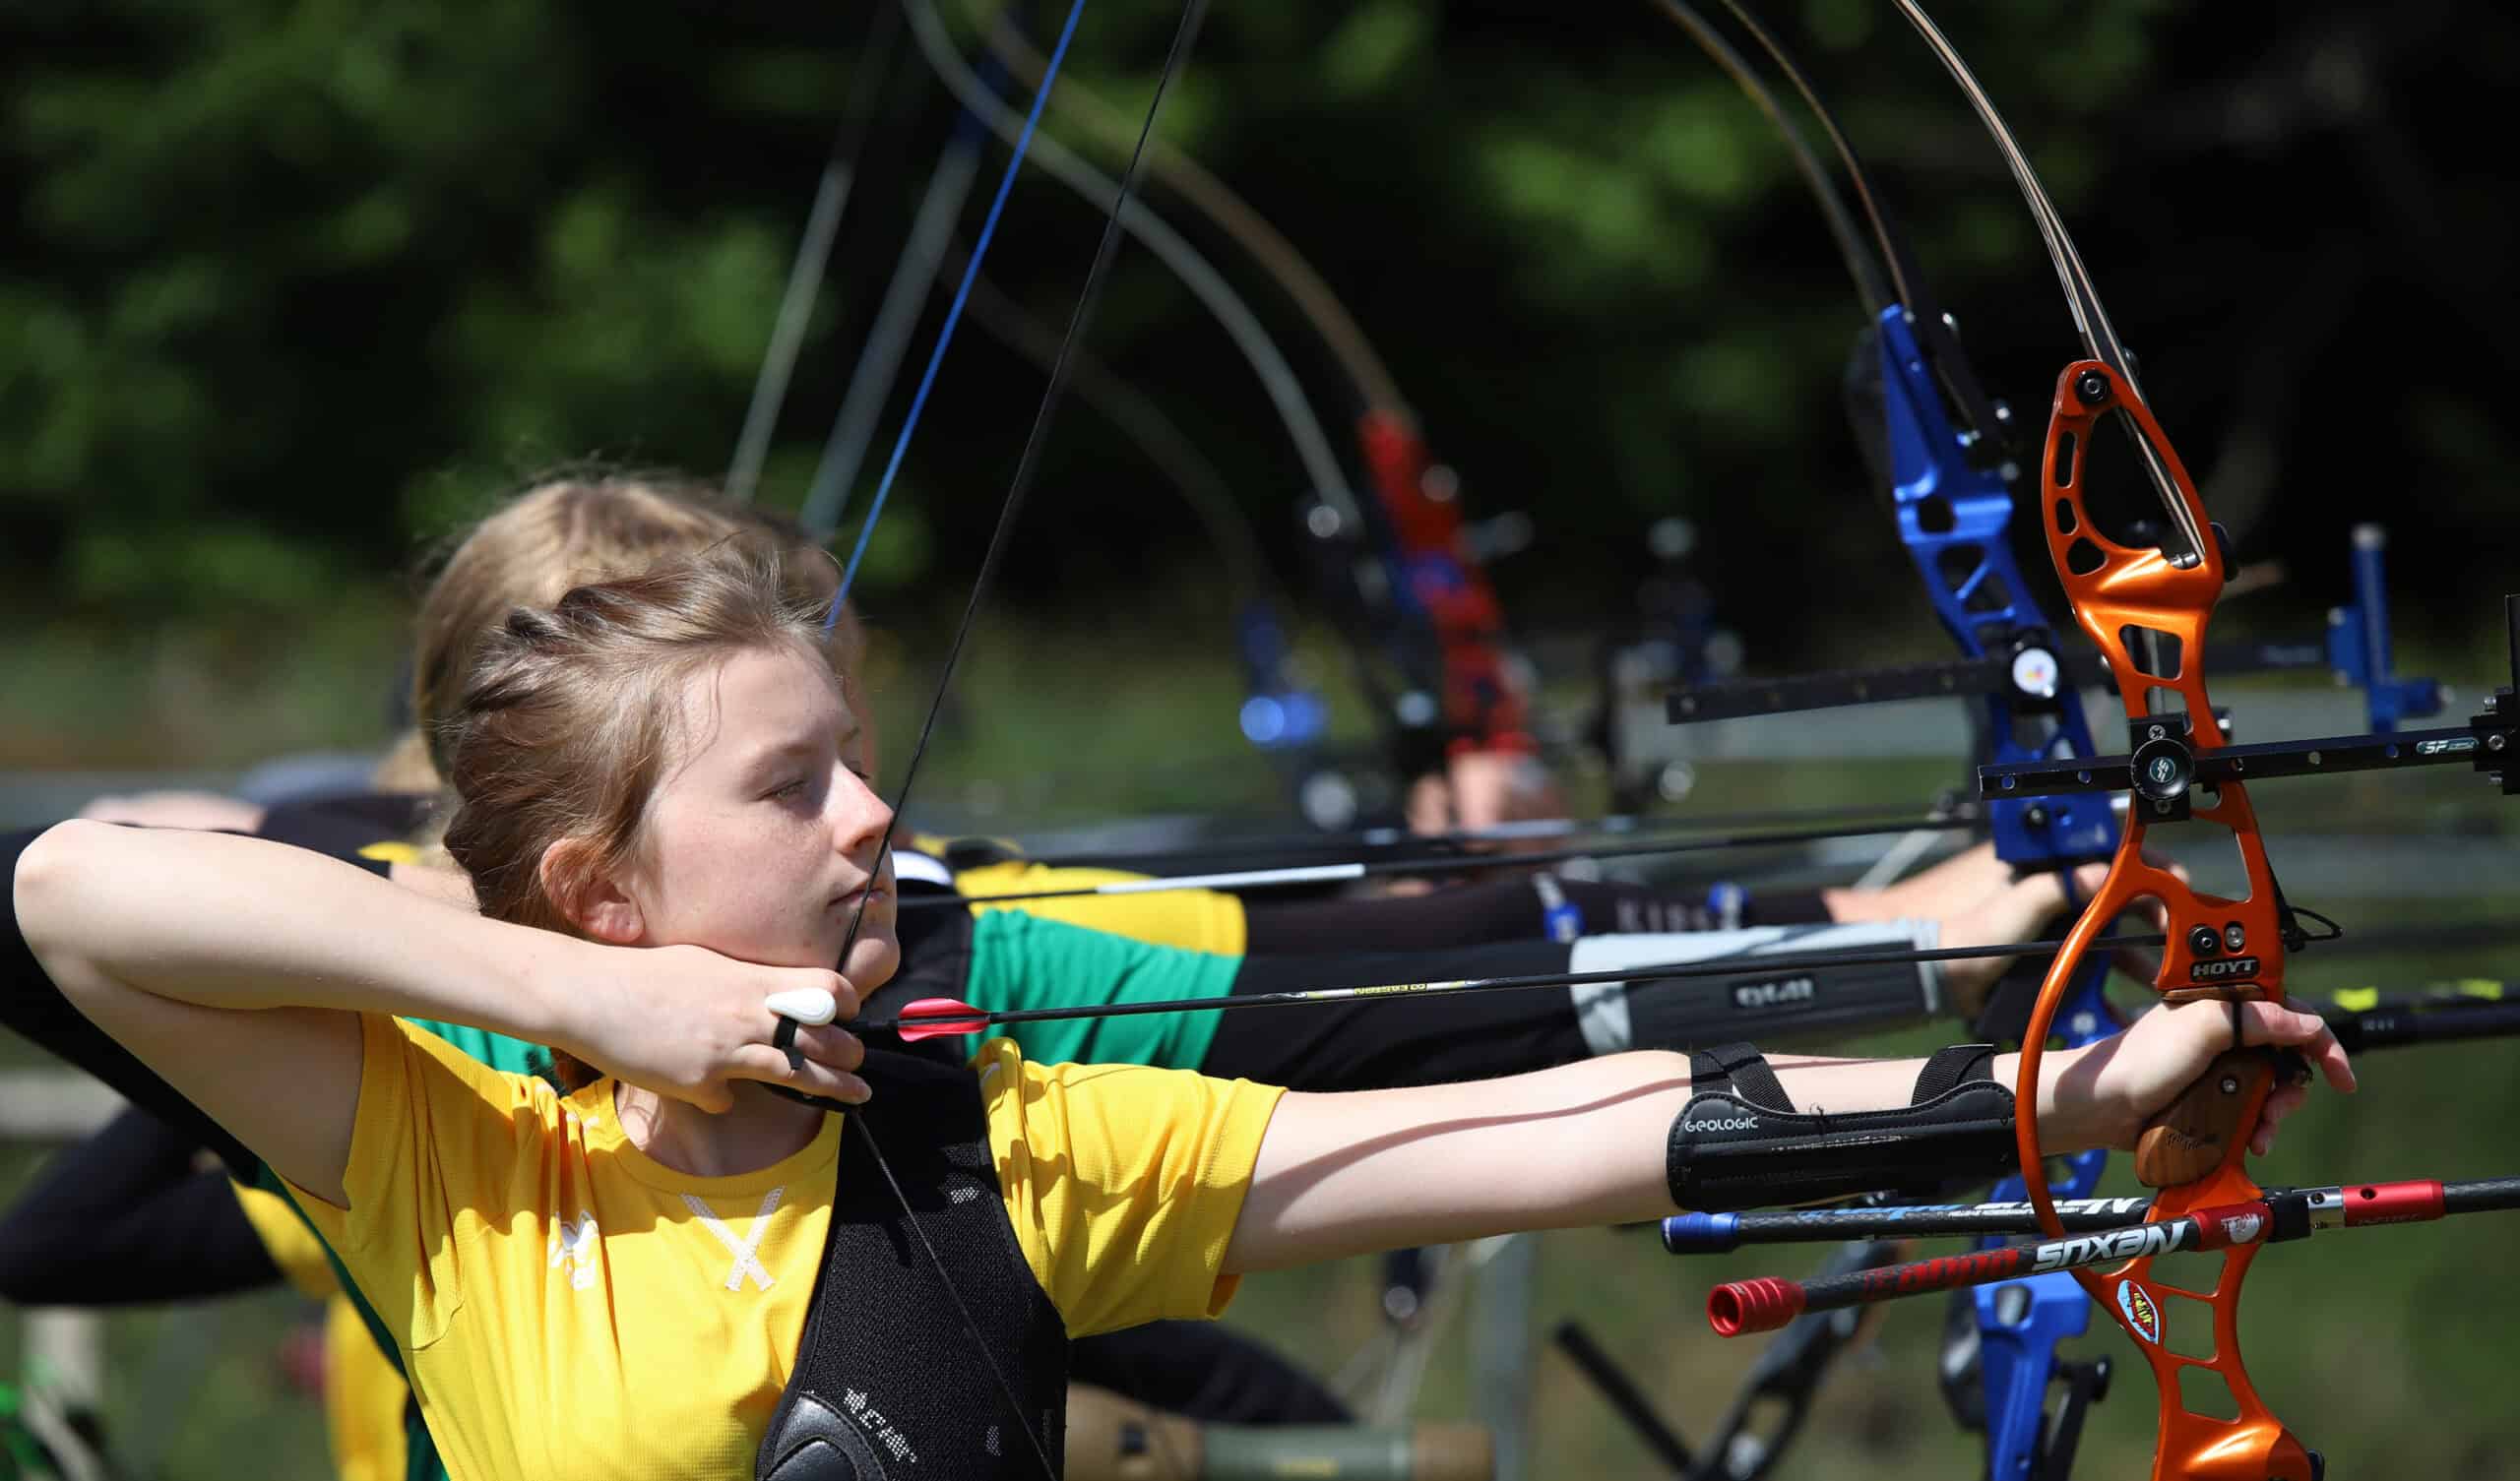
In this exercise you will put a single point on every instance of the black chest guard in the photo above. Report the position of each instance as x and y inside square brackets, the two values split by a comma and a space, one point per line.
[888, 1385]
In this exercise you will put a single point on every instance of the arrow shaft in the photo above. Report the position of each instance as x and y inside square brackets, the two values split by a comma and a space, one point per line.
[1765, 1303]
[1717, 1233]
[1312, 874]
[1264, 847]
[1763, 963]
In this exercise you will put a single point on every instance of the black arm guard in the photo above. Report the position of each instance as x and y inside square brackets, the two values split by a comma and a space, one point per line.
[1739, 1144]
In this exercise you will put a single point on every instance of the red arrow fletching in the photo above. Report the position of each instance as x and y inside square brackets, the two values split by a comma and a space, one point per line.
[940, 1018]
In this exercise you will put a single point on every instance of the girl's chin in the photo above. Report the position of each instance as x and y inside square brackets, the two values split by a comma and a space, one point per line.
[872, 961]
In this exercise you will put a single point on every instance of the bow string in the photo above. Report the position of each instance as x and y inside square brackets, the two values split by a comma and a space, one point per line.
[1018, 487]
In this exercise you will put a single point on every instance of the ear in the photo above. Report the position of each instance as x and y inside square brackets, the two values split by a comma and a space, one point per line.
[593, 898]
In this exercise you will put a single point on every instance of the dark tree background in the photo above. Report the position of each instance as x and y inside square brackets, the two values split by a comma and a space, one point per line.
[286, 287]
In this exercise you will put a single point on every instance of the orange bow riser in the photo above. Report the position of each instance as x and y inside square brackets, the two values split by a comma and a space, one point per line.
[2213, 1424]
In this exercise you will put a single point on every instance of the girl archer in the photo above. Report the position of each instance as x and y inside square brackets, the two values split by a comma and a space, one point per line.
[665, 820]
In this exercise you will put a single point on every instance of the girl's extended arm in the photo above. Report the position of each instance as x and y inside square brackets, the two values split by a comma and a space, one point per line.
[236, 968]
[1584, 1143]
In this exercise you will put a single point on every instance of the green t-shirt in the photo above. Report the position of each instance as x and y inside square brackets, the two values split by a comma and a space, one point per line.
[1020, 961]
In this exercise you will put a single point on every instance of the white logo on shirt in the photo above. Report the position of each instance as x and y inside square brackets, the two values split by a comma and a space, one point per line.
[747, 1264]
[575, 1248]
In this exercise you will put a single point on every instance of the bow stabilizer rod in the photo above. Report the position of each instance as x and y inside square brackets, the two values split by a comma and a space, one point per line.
[1768, 1303]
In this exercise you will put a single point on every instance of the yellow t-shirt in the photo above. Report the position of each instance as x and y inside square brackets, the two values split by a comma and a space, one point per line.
[569, 1308]
[1195, 920]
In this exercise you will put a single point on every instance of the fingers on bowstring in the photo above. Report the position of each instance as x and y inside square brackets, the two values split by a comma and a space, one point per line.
[821, 1043]
[814, 1077]
[2264, 1022]
[831, 1046]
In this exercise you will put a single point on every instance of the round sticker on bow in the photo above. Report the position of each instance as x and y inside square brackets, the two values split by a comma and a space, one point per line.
[2141, 1314]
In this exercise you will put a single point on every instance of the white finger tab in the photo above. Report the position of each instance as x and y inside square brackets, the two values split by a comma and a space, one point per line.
[806, 1004]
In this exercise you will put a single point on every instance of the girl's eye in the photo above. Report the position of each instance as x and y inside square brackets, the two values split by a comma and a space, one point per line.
[790, 790]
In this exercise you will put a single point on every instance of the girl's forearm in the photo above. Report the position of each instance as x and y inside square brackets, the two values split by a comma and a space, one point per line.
[1578, 1145]
[239, 923]
[1346, 1174]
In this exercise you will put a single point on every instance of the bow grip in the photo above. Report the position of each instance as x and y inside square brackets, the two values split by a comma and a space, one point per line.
[2208, 1125]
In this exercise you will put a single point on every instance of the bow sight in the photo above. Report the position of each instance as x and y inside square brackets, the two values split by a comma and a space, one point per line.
[2025, 663]
[2163, 766]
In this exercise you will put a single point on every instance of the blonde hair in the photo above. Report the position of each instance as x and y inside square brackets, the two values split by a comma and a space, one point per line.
[571, 713]
[573, 531]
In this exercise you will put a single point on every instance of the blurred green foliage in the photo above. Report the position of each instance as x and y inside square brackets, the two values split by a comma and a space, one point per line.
[290, 290]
